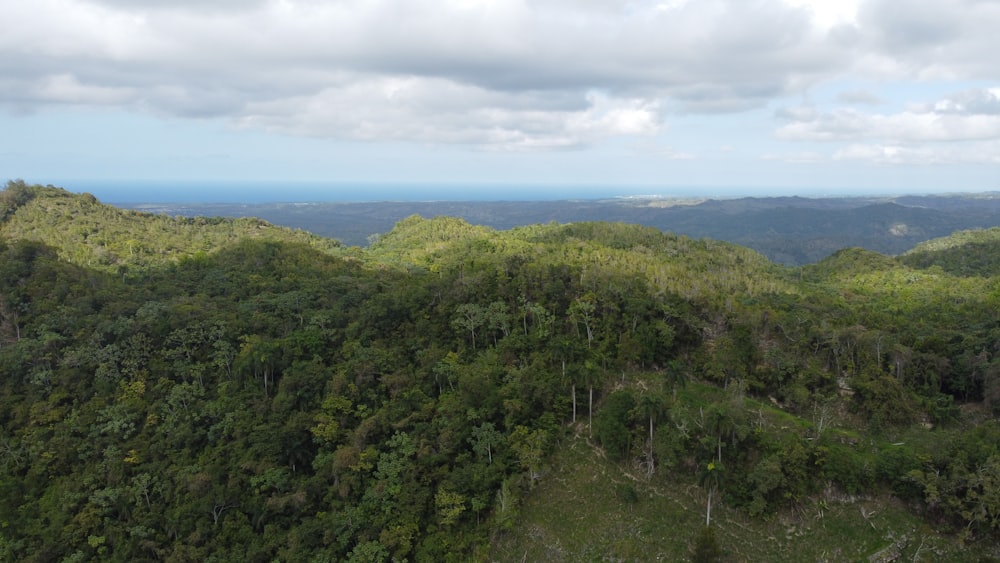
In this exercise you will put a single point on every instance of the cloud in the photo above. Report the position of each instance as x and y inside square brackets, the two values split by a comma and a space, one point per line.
[207, 5]
[859, 97]
[971, 115]
[438, 110]
[501, 74]
[66, 88]
[985, 101]
[849, 124]
[929, 40]
[979, 153]
[961, 128]
[829, 14]
[807, 112]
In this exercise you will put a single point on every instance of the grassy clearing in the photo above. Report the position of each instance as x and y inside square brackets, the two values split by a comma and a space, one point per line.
[584, 509]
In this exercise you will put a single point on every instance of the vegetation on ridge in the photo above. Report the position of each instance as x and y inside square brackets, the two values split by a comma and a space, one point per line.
[91, 234]
[278, 398]
[964, 253]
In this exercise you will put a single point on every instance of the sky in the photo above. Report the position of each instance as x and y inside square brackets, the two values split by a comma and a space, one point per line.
[770, 97]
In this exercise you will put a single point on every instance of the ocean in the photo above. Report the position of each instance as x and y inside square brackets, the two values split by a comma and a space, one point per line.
[134, 192]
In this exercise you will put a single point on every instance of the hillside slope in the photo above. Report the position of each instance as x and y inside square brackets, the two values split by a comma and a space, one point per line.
[425, 398]
[89, 233]
[964, 253]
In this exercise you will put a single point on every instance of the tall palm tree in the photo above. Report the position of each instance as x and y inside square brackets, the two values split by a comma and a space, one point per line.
[652, 406]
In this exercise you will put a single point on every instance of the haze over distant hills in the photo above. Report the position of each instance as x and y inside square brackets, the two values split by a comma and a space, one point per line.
[788, 230]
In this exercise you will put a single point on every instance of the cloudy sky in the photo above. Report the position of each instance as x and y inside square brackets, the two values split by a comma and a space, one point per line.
[771, 96]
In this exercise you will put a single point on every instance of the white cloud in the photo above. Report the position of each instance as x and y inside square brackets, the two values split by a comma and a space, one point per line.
[66, 88]
[859, 97]
[849, 124]
[522, 72]
[496, 73]
[438, 110]
[207, 5]
[943, 40]
[967, 116]
[962, 128]
[979, 153]
[827, 13]
[984, 101]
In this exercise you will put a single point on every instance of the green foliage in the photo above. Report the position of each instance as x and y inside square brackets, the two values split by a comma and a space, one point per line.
[964, 253]
[611, 425]
[89, 233]
[706, 547]
[849, 261]
[626, 493]
[262, 394]
[885, 401]
[16, 194]
[845, 466]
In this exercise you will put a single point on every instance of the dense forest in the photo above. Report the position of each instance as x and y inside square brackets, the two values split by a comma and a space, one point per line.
[208, 389]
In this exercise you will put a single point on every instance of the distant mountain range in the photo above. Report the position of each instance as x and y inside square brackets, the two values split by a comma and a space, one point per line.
[788, 230]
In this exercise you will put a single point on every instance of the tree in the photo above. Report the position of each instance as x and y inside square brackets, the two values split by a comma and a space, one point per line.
[541, 320]
[529, 446]
[368, 552]
[469, 317]
[581, 311]
[498, 318]
[567, 351]
[652, 406]
[450, 505]
[612, 426]
[590, 374]
[484, 438]
[14, 195]
[259, 357]
[710, 479]
[10, 326]
[446, 370]
[983, 497]
[676, 376]
[726, 421]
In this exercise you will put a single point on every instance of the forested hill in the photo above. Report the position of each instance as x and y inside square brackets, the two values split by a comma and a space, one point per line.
[88, 233]
[964, 253]
[245, 392]
[788, 230]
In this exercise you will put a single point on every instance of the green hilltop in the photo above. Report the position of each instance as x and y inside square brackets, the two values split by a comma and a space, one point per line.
[91, 234]
[212, 389]
[964, 253]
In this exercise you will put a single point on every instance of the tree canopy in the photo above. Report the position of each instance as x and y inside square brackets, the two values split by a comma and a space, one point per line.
[213, 389]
